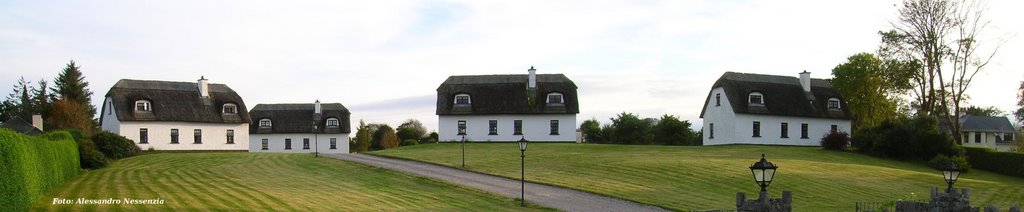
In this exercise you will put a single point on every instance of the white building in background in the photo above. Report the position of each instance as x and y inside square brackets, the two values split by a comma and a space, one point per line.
[166, 115]
[985, 131]
[746, 108]
[290, 128]
[503, 108]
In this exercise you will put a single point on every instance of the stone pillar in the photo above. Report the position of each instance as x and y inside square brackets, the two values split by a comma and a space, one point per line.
[764, 203]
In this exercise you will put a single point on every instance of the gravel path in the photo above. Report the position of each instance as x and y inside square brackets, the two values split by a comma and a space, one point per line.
[544, 195]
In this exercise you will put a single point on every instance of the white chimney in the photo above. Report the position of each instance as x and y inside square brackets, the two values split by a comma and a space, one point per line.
[805, 80]
[316, 106]
[204, 89]
[533, 78]
[37, 121]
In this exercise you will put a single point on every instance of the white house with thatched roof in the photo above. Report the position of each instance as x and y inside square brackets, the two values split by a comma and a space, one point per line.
[299, 128]
[166, 115]
[503, 108]
[744, 108]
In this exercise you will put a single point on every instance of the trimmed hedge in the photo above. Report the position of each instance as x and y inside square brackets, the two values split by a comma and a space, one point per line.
[1008, 163]
[31, 166]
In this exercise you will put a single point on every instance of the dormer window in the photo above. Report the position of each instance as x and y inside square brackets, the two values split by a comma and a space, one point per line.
[462, 99]
[230, 108]
[265, 123]
[718, 99]
[143, 106]
[332, 122]
[555, 98]
[756, 98]
[833, 103]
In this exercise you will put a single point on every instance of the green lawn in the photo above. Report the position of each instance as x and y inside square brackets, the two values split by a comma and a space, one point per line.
[265, 181]
[695, 178]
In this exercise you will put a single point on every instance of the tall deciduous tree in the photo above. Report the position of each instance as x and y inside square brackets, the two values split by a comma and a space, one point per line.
[411, 129]
[871, 87]
[672, 131]
[630, 129]
[71, 85]
[70, 115]
[943, 35]
[363, 139]
[388, 137]
[592, 131]
[1019, 113]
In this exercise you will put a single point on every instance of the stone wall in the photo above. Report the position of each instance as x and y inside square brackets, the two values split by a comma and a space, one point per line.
[764, 203]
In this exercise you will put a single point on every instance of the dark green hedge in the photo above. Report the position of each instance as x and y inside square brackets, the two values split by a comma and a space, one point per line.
[1008, 163]
[31, 166]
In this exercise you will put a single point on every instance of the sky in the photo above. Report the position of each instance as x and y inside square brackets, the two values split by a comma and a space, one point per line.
[384, 59]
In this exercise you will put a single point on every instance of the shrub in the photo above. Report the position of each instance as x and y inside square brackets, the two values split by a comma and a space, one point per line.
[31, 166]
[89, 156]
[1008, 163]
[961, 161]
[939, 162]
[115, 146]
[409, 142]
[835, 140]
[905, 138]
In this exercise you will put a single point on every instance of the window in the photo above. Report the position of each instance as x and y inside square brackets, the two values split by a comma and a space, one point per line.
[231, 136]
[718, 99]
[492, 127]
[230, 108]
[785, 130]
[198, 134]
[287, 143]
[756, 98]
[1008, 137]
[462, 99]
[757, 129]
[833, 103]
[334, 143]
[977, 137]
[554, 127]
[174, 136]
[332, 122]
[462, 127]
[711, 135]
[555, 98]
[803, 131]
[143, 106]
[517, 127]
[143, 136]
[265, 123]
[265, 144]
[835, 128]
[305, 143]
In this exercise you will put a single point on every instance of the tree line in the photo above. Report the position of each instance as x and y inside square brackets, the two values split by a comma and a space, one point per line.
[627, 128]
[376, 136]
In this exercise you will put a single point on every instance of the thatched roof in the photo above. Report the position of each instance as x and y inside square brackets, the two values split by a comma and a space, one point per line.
[298, 118]
[19, 125]
[783, 96]
[175, 101]
[506, 94]
[972, 123]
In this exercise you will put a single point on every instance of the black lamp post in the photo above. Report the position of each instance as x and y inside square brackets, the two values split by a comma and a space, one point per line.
[951, 173]
[522, 156]
[763, 171]
[462, 132]
[316, 140]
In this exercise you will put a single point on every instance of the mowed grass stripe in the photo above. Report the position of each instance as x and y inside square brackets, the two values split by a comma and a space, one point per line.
[700, 178]
[246, 192]
[213, 190]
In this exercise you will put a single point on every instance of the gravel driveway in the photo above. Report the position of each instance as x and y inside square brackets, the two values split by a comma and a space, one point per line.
[544, 195]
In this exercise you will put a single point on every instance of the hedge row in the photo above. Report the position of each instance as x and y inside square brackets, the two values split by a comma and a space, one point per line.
[31, 166]
[1008, 163]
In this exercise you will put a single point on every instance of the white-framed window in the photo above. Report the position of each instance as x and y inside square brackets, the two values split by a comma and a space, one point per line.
[833, 103]
[265, 123]
[332, 122]
[463, 99]
[231, 136]
[492, 127]
[462, 127]
[198, 135]
[555, 98]
[143, 135]
[230, 108]
[143, 106]
[334, 143]
[554, 127]
[756, 98]
[265, 144]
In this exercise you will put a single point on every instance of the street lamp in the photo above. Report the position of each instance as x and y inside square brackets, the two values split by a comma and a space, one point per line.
[951, 173]
[763, 171]
[462, 132]
[316, 140]
[522, 156]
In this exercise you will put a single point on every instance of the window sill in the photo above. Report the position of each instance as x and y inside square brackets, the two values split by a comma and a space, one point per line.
[756, 136]
[492, 134]
[517, 134]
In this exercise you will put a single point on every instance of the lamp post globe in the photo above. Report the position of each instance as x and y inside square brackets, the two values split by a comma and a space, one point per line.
[951, 173]
[522, 143]
[763, 172]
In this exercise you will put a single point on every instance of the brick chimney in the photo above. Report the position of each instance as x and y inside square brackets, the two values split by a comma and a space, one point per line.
[532, 84]
[805, 80]
[204, 88]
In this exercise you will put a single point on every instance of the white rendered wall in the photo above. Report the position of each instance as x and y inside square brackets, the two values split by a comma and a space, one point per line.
[731, 128]
[535, 127]
[214, 135]
[275, 142]
[988, 140]
[109, 118]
